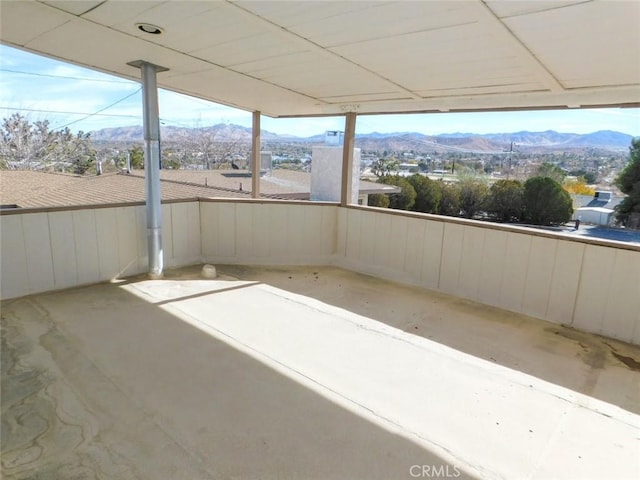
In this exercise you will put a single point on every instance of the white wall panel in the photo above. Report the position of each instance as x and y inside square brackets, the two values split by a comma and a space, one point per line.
[415, 248]
[398, 244]
[492, 267]
[622, 297]
[452, 243]
[342, 230]
[329, 230]
[244, 229]
[84, 231]
[471, 262]
[295, 231]
[167, 235]
[13, 257]
[63, 248]
[597, 273]
[432, 250]
[564, 281]
[311, 230]
[367, 238]
[516, 261]
[38, 248]
[354, 223]
[209, 227]
[539, 275]
[107, 237]
[193, 240]
[142, 238]
[382, 240]
[128, 244]
[261, 224]
[226, 230]
[277, 234]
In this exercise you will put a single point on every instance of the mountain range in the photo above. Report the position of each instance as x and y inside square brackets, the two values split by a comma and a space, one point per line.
[546, 141]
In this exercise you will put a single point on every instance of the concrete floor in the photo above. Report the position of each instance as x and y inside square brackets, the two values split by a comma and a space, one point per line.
[306, 373]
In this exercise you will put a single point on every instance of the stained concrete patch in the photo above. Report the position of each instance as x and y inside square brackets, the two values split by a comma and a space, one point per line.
[53, 430]
[46, 432]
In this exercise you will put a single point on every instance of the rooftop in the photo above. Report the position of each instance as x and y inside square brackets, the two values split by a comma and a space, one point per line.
[306, 372]
[34, 189]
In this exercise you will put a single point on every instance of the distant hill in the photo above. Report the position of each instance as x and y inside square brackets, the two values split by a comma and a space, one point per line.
[547, 141]
[221, 132]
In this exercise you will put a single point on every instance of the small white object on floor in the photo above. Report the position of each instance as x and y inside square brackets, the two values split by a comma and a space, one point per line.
[209, 271]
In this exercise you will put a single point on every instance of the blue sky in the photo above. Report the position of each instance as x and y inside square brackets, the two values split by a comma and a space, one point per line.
[41, 88]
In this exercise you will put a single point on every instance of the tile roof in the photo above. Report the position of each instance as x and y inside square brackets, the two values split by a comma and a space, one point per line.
[31, 189]
[17, 186]
[36, 189]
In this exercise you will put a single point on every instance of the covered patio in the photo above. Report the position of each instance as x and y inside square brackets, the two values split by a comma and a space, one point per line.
[502, 352]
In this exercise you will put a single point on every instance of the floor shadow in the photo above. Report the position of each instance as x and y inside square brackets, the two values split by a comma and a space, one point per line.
[97, 382]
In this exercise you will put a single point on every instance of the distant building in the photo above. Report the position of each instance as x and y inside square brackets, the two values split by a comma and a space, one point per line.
[598, 209]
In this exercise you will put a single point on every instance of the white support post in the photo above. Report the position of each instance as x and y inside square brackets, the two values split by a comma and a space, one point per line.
[347, 159]
[255, 156]
[151, 123]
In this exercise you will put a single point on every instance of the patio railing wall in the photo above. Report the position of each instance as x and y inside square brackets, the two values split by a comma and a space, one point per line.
[588, 284]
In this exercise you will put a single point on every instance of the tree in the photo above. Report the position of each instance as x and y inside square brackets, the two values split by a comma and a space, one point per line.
[629, 182]
[589, 177]
[428, 194]
[384, 166]
[378, 200]
[550, 170]
[579, 187]
[546, 202]
[217, 145]
[450, 199]
[473, 192]
[403, 200]
[137, 158]
[26, 145]
[506, 200]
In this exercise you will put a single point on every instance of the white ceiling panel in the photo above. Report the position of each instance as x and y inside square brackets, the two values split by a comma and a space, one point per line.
[297, 58]
[455, 44]
[38, 19]
[114, 13]
[74, 7]
[219, 24]
[249, 49]
[387, 21]
[332, 82]
[222, 86]
[523, 7]
[100, 48]
[599, 44]
[291, 13]
[273, 67]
